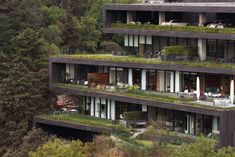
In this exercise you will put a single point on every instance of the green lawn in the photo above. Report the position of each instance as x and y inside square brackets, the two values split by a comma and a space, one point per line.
[82, 119]
[136, 59]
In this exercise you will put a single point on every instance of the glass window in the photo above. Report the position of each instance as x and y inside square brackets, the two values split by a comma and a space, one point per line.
[188, 82]
[151, 80]
[112, 76]
[120, 77]
[172, 41]
[211, 48]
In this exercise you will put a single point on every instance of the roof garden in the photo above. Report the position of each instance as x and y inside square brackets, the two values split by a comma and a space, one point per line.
[79, 119]
[137, 59]
[174, 28]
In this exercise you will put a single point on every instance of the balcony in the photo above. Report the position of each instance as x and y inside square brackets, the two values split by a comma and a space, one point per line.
[212, 101]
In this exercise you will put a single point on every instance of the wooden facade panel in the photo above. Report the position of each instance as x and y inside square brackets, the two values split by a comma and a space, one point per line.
[99, 78]
[227, 128]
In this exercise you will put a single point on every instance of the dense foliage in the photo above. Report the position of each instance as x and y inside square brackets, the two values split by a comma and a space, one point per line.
[57, 147]
[30, 142]
[30, 32]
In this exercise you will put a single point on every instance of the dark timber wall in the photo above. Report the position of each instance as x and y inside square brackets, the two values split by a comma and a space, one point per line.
[227, 128]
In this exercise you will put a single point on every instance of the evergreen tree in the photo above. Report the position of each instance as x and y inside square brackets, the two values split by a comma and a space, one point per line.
[71, 33]
[20, 101]
[31, 46]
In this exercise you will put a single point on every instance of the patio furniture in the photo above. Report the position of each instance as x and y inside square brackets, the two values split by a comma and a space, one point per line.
[140, 124]
[222, 102]
[216, 95]
[86, 83]
[57, 113]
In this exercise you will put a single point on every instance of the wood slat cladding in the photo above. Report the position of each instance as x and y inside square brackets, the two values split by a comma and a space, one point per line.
[99, 78]
[227, 128]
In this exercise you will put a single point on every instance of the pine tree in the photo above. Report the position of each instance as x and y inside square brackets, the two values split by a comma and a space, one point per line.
[20, 101]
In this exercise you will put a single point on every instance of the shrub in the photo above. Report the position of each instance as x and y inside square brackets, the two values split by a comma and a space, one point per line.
[101, 144]
[30, 142]
[187, 51]
[202, 147]
[110, 46]
[63, 148]
[133, 89]
[135, 115]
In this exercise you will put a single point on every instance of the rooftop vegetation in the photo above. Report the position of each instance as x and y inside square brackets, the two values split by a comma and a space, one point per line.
[89, 121]
[82, 119]
[159, 97]
[174, 28]
[188, 51]
[136, 59]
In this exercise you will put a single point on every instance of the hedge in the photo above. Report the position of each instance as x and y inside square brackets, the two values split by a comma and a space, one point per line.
[187, 51]
[174, 28]
[135, 115]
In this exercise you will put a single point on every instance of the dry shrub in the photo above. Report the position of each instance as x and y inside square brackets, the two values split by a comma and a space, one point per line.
[101, 145]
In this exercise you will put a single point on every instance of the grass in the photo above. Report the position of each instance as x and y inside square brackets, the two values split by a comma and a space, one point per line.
[145, 143]
[174, 28]
[136, 59]
[81, 119]
[144, 95]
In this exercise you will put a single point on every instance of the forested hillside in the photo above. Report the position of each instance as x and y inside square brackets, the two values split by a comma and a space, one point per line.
[30, 32]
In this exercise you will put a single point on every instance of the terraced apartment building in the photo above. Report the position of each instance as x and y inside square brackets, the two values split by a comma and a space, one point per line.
[180, 72]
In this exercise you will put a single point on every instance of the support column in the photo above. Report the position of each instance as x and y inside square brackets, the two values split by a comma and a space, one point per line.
[162, 17]
[177, 81]
[92, 107]
[130, 16]
[112, 110]
[202, 49]
[143, 80]
[202, 18]
[130, 77]
[109, 109]
[144, 108]
[215, 124]
[172, 82]
[97, 107]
